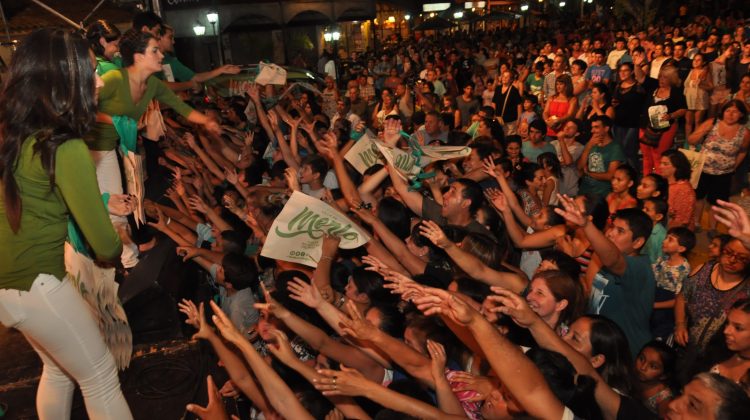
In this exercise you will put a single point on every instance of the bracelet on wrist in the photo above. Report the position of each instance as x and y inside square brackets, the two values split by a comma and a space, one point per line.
[326, 257]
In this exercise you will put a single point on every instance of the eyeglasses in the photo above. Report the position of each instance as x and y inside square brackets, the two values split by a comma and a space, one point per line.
[744, 259]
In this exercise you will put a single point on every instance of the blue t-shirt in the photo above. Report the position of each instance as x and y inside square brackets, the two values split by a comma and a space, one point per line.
[531, 153]
[627, 299]
[598, 74]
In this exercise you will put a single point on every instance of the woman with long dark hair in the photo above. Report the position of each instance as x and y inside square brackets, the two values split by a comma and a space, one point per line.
[123, 100]
[104, 39]
[48, 177]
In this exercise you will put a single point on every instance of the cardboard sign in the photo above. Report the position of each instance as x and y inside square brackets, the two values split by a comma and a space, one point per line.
[296, 234]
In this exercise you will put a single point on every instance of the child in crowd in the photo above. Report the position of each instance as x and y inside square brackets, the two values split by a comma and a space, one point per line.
[529, 114]
[652, 186]
[656, 209]
[654, 368]
[552, 177]
[670, 272]
[622, 183]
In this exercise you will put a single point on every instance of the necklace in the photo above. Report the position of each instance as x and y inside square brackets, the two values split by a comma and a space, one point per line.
[743, 358]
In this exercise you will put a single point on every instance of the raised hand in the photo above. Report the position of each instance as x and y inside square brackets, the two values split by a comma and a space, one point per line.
[190, 140]
[571, 211]
[197, 204]
[435, 234]
[188, 308]
[292, 181]
[513, 305]
[161, 221]
[392, 131]
[735, 218]
[437, 359]
[271, 306]
[215, 409]
[120, 204]
[357, 326]
[497, 199]
[375, 265]
[197, 319]
[489, 167]
[253, 92]
[187, 252]
[231, 176]
[282, 349]
[342, 382]
[304, 292]
[480, 385]
[229, 203]
[225, 325]
[443, 302]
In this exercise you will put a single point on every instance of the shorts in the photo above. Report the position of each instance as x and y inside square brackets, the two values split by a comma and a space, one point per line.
[714, 187]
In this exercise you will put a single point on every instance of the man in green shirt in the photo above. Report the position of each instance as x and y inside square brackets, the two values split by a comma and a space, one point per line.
[600, 158]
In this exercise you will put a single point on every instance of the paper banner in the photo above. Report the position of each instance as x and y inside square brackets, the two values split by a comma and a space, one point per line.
[368, 152]
[270, 74]
[133, 169]
[296, 234]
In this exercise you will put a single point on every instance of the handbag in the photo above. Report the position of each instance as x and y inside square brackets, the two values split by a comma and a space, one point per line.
[650, 137]
[505, 103]
[696, 159]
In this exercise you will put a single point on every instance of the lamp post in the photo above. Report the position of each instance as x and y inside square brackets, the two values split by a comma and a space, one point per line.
[213, 19]
[198, 29]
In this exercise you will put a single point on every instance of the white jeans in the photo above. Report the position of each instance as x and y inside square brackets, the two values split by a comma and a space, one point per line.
[110, 181]
[59, 325]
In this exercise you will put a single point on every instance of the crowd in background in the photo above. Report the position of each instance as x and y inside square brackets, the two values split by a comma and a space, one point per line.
[553, 272]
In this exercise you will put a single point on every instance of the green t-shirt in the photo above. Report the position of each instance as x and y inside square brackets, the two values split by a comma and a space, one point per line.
[38, 246]
[599, 160]
[174, 70]
[115, 99]
[627, 299]
[103, 66]
[653, 247]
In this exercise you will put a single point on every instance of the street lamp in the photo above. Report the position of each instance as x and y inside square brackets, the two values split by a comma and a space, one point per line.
[562, 4]
[524, 7]
[199, 29]
[213, 19]
[336, 35]
[407, 17]
[458, 15]
[327, 36]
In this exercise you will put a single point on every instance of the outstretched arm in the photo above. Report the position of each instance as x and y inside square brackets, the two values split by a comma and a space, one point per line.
[469, 263]
[610, 256]
[281, 397]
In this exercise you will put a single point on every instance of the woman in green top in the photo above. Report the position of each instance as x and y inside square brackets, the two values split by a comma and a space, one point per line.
[124, 98]
[105, 41]
[48, 177]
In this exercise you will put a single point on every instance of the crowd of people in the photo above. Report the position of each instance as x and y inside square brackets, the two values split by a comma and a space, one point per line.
[546, 273]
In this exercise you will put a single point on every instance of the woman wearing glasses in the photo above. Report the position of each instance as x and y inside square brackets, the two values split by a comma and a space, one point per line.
[702, 304]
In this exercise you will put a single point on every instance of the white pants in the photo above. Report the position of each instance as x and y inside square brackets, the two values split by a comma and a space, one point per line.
[110, 181]
[59, 325]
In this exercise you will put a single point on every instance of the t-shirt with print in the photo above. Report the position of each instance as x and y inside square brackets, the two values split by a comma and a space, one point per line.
[600, 157]
[626, 299]
[669, 281]
[598, 74]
